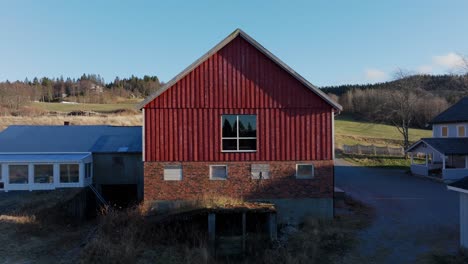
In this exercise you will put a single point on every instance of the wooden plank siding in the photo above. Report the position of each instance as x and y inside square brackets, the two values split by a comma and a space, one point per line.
[184, 122]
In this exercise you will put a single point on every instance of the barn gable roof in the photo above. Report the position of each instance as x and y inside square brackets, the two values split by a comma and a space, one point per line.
[253, 42]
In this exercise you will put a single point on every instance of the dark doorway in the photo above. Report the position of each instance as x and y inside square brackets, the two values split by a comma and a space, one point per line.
[120, 195]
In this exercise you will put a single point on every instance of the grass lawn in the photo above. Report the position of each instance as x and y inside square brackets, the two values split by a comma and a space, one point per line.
[378, 161]
[60, 107]
[349, 131]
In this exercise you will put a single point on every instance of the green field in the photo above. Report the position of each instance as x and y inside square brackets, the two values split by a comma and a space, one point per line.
[60, 107]
[351, 132]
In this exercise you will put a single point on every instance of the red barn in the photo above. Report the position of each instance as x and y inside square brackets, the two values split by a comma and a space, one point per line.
[239, 122]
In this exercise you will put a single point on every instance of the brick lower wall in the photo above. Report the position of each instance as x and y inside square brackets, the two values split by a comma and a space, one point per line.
[196, 182]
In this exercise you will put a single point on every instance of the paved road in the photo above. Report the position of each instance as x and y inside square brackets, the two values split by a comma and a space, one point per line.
[413, 215]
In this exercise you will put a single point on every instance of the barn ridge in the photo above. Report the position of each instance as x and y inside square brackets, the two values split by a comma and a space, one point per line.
[258, 46]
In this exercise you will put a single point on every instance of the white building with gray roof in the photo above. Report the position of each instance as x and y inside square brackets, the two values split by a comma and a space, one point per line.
[50, 157]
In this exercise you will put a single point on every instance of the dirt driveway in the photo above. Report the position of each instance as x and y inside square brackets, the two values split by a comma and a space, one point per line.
[413, 215]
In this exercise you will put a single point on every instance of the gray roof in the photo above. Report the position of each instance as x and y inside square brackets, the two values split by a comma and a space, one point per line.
[47, 139]
[461, 184]
[219, 46]
[58, 157]
[456, 113]
[446, 146]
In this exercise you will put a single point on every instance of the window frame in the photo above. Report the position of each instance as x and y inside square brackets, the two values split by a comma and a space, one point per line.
[218, 179]
[458, 130]
[238, 138]
[18, 164]
[43, 164]
[442, 131]
[305, 178]
[174, 167]
[68, 170]
[88, 173]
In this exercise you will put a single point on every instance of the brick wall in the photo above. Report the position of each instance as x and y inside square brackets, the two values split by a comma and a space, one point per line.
[196, 182]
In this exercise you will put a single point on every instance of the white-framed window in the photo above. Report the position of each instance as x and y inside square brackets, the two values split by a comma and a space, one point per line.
[18, 174]
[461, 131]
[173, 172]
[260, 171]
[444, 131]
[88, 170]
[43, 173]
[218, 172]
[69, 173]
[304, 171]
[239, 133]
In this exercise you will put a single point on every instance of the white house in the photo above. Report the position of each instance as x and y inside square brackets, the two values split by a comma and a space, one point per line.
[445, 155]
[50, 157]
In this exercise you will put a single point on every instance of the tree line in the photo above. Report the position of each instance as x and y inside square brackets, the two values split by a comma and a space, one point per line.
[410, 101]
[89, 88]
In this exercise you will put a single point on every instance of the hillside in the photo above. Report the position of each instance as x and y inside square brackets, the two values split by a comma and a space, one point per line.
[350, 131]
[450, 87]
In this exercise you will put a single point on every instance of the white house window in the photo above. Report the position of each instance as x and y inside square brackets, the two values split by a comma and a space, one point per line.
[304, 171]
[461, 131]
[43, 173]
[18, 174]
[218, 172]
[69, 173]
[444, 131]
[239, 133]
[88, 170]
[173, 172]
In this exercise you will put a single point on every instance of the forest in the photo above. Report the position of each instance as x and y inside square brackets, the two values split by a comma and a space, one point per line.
[89, 88]
[421, 97]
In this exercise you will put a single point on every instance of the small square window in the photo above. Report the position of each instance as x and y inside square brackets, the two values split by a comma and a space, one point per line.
[304, 171]
[260, 171]
[173, 172]
[218, 172]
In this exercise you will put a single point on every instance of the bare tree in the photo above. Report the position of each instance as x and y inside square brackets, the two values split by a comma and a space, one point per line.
[401, 104]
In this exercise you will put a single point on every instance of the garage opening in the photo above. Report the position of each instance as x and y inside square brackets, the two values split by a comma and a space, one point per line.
[120, 195]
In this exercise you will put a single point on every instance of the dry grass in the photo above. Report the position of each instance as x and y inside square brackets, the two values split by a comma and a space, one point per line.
[115, 120]
[60, 107]
[27, 219]
[215, 201]
[33, 229]
[127, 237]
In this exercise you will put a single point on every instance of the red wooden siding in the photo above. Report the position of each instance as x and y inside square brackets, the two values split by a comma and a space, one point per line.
[184, 122]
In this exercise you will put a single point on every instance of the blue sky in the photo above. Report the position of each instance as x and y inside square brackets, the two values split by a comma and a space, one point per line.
[328, 42]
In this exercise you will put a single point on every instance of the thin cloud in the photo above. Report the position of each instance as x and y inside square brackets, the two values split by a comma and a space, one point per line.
[450, 60]
[375, 75]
